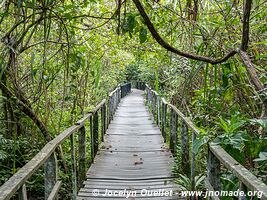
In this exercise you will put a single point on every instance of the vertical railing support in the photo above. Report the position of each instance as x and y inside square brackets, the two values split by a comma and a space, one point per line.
[73, 167]
[185, 150]
[82, 156]
[92, 139]
[193, 163]
[214, 171]
[173, 131]
[154, 104]
[22, 192]
[243, 188]
[50, 170]
[158, 108]
[95, 132]
[163, 119]
[103, 121]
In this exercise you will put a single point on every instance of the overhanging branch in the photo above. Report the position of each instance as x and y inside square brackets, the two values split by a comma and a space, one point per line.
[167, 46]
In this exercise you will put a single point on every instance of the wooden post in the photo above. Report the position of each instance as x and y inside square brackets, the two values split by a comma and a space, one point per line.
[154, 104]
[173, 132]
[50, 170]
[23, 192]
[73, 167]
[92, 139]
[185, 162]
[95, 132]
[242, 188]
[214, 168]
[109, 111]
[163, 120]
[193, 164]
[158, 112]
[112, 106]
[82, 156]
[103, 120]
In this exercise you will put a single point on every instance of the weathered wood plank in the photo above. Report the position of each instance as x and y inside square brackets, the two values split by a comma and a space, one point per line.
[133, 153]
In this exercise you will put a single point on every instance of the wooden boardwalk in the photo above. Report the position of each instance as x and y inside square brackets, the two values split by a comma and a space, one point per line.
[133, 161]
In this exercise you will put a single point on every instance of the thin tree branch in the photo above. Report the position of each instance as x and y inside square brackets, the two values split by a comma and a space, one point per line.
[167, 46]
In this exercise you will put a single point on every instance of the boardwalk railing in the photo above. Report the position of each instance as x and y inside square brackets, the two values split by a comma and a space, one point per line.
[217, 156]
[100, 115]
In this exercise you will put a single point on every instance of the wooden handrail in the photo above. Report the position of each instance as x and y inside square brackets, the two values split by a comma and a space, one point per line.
[98, 106]
[8, 189]
[245, 176]
[47, 157]
[216, 155]
[185, 119]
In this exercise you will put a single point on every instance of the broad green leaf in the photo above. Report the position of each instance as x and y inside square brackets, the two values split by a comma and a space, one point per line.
[143, 35]
[199, 142]
[68, 16]
[262, 157]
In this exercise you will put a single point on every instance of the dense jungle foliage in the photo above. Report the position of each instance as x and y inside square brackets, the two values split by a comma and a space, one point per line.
[59, 58]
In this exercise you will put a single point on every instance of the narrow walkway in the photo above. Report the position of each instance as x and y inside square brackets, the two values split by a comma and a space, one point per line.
[133, 161]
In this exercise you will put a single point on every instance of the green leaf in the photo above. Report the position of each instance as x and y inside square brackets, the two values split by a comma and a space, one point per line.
[260, 122]
[262, 157]
[68, 16]
[143, 35]
[199, 142]
[131, 23]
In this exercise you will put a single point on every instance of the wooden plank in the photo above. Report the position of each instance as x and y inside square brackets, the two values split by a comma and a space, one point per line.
[54, 192]
[250, 180]
[133, 153]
